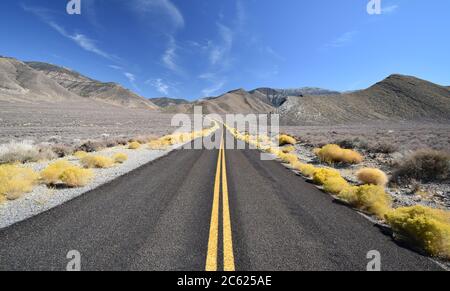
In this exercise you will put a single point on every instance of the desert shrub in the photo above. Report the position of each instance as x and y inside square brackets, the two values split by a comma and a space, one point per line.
[19, 152]
[383, 148]
[284, 139]
[15, 181]
[352, 143]
[158, 144]
[80, 154]
[120, 158]
[321, 175]
[66, 173]
[288, 149]
[333, 153]
[425, 166]
[288, 158]
[134, 145]
[372, 176]
[91, 161]
[52, 173]
[91, 146]
[62, 150]
[142, 139]
[423, 226]
[46, 153]
[370, 198]
[335, 185]
[76, 176]
[306, 169]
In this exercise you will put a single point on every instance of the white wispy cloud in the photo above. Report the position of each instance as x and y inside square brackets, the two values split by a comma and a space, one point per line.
[161, 7]
[389, 9]
[131, 77]
[80, 39]
[161, 86]
[343, 40]
[169, 57]
[219, 53]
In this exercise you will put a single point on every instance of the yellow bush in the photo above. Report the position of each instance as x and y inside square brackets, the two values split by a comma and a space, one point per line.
[66, 173]
[288, 158]
[134, 145]
[321, 175]
[80, 154]
[158, 145]
[370, 198]
[76, 176]
[284, 139]
[350, 157]
[333, 153]
[52, 173]
[97, 162]
[288, 149]
[15, 181]
[372, 176]
[335, 185]
[423, 226]
[120, 158]
[306, 169]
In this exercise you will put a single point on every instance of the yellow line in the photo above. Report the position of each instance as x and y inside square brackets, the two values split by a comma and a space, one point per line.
[228, 256]
[211, 258]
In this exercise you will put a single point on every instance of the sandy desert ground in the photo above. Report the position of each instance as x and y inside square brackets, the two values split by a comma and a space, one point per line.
[69, 122]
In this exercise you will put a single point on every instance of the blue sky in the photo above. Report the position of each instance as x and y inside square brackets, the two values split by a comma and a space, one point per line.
[197, 48]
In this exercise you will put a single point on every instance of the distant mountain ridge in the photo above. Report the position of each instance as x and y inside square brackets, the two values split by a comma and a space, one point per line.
[166, 101]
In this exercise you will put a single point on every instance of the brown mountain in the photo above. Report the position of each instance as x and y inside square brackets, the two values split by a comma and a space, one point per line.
[397, 98]
[237, 101]
[110, 93]
[21, 83]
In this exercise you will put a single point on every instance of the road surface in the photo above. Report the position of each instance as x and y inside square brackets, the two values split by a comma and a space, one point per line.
[183, 212]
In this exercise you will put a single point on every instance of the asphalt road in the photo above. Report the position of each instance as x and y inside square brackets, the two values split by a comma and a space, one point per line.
[160, 217]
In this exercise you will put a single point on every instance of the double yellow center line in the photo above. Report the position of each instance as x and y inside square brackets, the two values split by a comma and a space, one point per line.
[213, 243]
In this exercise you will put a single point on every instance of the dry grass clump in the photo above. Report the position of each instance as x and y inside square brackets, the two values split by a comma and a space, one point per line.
[15, 181]
[120, 158]
[91, 146]
[335, 185]
[323, 174]
[134, 145]
[306, 169]
[24, 152]
[284, 139]
[333, 153]
[288, 158]
[370, 198]
[288, 149]
[64, 172]
[101, 162]
[425, 166]
[372, 176]
[62, 150]
[353, 143]
[424, 227]
[158, 144]
[80, 154]
[383, 148]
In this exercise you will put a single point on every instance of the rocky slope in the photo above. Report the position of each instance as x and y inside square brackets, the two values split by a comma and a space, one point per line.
[166, 101]
[20, 83]
[80, 85]
[397, 98]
